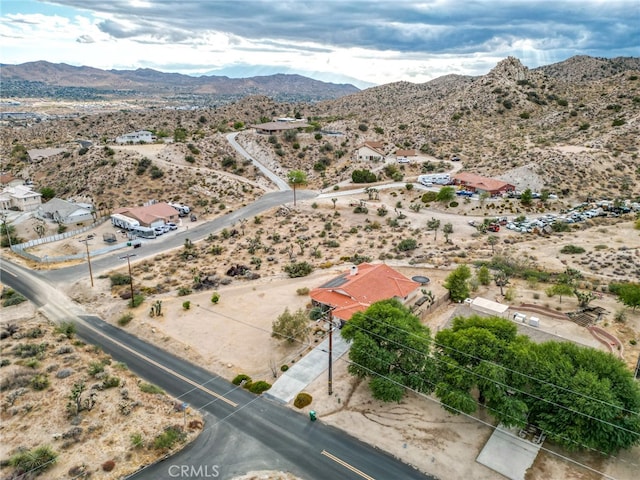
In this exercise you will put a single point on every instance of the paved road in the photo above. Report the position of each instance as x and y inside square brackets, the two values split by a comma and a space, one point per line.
[150, 248]
[243, 432]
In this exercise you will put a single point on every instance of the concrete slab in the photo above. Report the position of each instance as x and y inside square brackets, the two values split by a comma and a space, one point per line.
[305, 371]
[508, 454]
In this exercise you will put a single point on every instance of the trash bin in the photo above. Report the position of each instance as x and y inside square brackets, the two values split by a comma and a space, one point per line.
[312, 415]
[128, 244]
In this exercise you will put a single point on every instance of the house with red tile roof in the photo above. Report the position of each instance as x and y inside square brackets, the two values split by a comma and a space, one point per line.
[151, 215]
[356, 289]
[370, 151]
[480, 184]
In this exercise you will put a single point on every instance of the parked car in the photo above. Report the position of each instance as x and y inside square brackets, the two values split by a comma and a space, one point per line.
[172, 226]
[159, 230]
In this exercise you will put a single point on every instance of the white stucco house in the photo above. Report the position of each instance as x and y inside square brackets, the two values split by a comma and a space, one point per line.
[20, 197]
[370, 151]
[142, 136]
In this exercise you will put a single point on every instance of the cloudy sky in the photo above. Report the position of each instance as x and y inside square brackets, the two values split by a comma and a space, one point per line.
[363, 42]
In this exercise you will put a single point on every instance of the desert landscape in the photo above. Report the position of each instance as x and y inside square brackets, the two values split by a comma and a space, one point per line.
[233, 335]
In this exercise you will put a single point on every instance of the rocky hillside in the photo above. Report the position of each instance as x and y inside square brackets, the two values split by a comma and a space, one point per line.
[570, 128]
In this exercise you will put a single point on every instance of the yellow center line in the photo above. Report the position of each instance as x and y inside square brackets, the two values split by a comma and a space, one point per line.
[162, 367]
[346, 465]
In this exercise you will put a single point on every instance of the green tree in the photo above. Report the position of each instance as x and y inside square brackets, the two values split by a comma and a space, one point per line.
[526, 198]
[628, 294]
[434, 225]
[391, 347]
[179, 134]
[295, 179]
[446, 194]
[47, 193]
[484, 276]
[447, 229]
[470, 354]
[580, 397]
[457, 283]
[291, 326]
[560, 289]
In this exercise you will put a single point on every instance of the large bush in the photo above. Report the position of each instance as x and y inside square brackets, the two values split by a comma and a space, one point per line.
[298, 269]
[302, 400]
[363, 176]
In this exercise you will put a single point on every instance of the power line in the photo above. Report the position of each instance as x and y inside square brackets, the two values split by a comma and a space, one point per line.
[461, 367]
[433, 342]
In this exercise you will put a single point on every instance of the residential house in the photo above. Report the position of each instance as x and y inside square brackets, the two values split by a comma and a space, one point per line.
[406, 156]
[63, 211]
[143, 136]
[370, 151]
[480, 184]
[153, 215]
[20, 197]
[356, 289]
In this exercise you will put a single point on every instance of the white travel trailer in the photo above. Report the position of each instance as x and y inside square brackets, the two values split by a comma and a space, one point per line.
[121, 221]
[435, 179]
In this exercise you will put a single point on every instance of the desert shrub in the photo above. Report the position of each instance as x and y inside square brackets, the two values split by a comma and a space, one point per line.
[238, 379]
[298, 269]
[149, 388]
[284, 368]
[429, 197]
[40, 382]
[215, 298]
[5, 362]
[182, 291]
[11, 297]
[125, 319]
[119, 279]
[136, 301]
[95, 368]
[407, 244]
[34, 461]
[108, 465]
[620, 316]
[571, 249]
[259, 387]
[169, 437]
[302, 291]
[137, 440]
[186, 305]
[302, 400]
[510, 295]
[560, 227]
[110, 382]
[453, 204]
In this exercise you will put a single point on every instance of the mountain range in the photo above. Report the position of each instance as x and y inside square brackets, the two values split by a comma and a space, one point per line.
[42, 75]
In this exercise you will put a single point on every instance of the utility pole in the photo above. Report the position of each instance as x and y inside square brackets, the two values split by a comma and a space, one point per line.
[128, 256]
[86, 244]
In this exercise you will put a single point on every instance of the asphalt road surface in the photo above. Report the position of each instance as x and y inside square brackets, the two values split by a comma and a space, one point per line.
[243, 432]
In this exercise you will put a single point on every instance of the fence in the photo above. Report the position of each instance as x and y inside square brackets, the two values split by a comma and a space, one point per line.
[424, 310]
[21, 247]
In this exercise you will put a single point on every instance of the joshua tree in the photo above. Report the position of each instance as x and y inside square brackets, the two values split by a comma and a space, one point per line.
[295, 178]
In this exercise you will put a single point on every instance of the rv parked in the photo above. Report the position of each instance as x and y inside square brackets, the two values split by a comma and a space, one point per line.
[121, 221]
[183, 210]
[435, 178]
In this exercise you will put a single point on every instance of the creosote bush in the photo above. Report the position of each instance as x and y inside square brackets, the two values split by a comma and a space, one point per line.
[302, 400]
